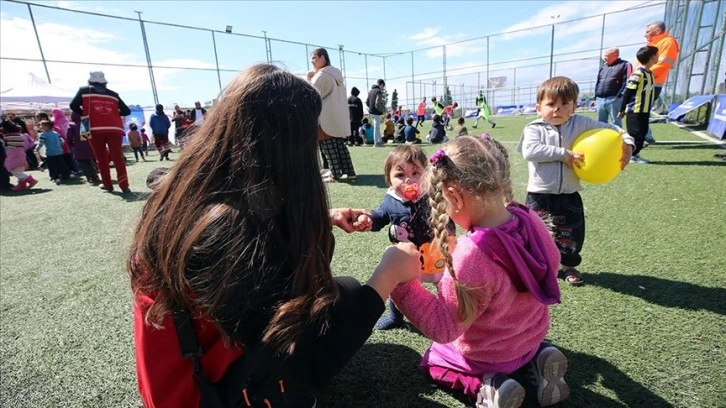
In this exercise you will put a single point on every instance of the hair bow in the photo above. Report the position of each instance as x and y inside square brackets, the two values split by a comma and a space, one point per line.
[437, 157]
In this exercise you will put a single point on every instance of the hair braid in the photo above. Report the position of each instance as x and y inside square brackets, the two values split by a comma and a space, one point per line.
[440, 219]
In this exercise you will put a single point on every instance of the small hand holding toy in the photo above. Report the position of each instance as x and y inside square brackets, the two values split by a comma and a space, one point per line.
[363, 223]
[410, 191]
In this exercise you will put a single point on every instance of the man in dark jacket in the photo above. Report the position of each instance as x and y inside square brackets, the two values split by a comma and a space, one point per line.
[355, 109]
[376, 103]
[104, 109]
[610, 86]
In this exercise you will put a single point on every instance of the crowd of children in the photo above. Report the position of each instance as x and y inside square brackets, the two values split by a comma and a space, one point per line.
[55, 143]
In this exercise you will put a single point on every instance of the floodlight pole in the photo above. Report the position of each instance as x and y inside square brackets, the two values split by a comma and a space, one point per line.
[148, 59]
[37, 37]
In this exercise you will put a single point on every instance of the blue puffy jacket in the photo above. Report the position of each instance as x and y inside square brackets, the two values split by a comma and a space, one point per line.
[159, 124]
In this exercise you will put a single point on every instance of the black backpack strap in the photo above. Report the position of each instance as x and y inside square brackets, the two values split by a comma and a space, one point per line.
[190, 348]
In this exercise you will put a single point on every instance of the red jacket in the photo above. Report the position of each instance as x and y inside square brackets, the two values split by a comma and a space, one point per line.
[164, 375]
[103, 107]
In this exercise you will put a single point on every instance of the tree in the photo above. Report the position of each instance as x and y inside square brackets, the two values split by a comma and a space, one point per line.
[446, 100]
[394, 100]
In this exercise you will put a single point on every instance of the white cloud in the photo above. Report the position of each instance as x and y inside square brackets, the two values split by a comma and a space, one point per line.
[69, 43]
[572, 10]
[431, 37]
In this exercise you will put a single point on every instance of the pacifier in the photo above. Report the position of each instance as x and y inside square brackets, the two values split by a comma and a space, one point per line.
[410, 191]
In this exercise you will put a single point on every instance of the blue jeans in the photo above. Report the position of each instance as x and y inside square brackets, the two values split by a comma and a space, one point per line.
[609, 107]
[376, 129]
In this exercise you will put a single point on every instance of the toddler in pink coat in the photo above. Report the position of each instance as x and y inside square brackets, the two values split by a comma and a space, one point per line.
[490, 316]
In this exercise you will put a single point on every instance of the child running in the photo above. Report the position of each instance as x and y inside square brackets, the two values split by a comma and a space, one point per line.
[407, 211]
[552, 189]
[490, 316]
[481, 104]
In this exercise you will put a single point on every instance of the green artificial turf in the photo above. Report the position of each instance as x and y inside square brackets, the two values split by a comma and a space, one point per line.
[647, 330]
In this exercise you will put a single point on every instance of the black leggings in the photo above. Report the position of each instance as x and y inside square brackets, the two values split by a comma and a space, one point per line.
[566, 212]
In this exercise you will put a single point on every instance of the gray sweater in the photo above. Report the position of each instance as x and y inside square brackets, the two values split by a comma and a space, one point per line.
[543, 145]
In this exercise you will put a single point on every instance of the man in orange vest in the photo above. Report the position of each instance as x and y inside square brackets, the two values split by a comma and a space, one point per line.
[657, 36]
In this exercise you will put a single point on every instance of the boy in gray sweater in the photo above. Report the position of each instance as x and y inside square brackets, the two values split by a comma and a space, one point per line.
[552, 188]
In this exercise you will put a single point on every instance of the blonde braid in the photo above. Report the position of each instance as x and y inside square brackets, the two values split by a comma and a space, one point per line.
[440, 219]
[437, 176]
[501, 155]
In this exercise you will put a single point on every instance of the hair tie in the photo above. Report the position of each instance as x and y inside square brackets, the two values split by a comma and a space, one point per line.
[438, 157]
[486, 136]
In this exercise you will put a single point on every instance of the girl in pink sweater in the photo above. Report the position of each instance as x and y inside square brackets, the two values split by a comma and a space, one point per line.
[491, 313]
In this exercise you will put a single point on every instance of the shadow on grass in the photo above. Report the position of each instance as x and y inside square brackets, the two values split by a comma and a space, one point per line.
[687, 145]
[132, 196]
[31, 191]
[664, 292]
[375, 180]
[689, 163]
[380, 375]
[584, 370]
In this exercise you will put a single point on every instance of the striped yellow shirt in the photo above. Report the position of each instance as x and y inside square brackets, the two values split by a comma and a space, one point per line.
[641, 86]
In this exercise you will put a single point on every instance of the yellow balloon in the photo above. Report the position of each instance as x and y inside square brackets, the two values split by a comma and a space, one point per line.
[602, 149]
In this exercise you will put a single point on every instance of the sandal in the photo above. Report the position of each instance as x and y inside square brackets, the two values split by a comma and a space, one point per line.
[571, 276]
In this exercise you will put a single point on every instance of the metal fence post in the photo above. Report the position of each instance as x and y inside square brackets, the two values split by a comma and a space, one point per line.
[216, 60]
[40, 47]
[148, 59]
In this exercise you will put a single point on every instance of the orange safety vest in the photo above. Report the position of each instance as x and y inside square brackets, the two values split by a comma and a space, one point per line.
[667, 56]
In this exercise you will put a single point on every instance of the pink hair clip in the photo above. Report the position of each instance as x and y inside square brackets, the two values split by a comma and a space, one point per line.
[437, 157]
[486, 136]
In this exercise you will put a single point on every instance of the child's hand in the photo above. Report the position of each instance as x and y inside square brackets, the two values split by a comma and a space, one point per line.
[573, 159]
[627, 154]
[363, 223]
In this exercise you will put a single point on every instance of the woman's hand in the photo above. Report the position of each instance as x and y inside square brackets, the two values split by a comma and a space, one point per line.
[311, 74]
[347, 218]
[400, 263]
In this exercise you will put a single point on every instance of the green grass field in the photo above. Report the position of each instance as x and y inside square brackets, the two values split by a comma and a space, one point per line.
[647, 330]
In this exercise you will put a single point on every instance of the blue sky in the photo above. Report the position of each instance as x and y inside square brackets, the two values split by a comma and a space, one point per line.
[386, 28]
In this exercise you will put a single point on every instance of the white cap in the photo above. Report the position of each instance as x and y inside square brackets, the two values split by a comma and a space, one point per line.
[97, 77]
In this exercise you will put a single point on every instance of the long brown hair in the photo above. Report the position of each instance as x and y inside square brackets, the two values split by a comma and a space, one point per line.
[241, 221]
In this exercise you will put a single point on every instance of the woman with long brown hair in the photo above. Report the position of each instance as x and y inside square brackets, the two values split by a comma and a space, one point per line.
[240, 240]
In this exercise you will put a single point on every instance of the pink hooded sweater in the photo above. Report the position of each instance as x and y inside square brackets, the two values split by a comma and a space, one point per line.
[512, 315]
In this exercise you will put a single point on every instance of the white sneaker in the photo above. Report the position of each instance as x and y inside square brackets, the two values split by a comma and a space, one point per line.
[547, 371]
[500, 391]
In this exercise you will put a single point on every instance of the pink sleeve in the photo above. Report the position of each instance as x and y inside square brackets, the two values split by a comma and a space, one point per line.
[436, 315]
[28, 141]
